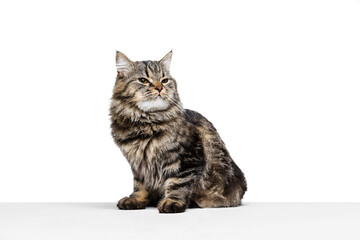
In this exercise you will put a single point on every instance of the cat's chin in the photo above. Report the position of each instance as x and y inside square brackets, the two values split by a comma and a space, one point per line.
[153, 105]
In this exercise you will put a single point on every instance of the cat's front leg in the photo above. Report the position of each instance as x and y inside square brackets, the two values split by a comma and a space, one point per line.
[137, 200]
[177, 195]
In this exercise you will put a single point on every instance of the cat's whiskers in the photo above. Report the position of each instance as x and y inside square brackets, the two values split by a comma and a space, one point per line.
[177, 105]
[148, 94]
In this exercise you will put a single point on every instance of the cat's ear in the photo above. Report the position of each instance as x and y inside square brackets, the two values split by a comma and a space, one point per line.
[123, 64]
[165, 61]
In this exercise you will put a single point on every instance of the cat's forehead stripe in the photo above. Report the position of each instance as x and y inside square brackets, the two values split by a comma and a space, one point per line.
[151, 68]
[146, 70]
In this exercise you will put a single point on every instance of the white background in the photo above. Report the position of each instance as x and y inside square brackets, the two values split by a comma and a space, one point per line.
[280, 80]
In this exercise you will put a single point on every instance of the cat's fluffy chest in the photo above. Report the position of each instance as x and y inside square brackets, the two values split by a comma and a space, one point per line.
[146, 154]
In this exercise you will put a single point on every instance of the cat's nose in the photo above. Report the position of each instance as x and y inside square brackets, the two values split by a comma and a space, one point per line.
[159, 88]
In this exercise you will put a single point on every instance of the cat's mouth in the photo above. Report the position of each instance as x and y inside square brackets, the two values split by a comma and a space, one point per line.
[159, 96]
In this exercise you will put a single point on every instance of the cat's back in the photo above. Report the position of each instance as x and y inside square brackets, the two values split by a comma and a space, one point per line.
[211, 142]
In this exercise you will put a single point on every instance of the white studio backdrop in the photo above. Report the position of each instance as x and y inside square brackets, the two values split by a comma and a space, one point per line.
[280, 80]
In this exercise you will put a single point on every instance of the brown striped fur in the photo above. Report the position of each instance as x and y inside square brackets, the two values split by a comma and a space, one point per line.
[175, 154]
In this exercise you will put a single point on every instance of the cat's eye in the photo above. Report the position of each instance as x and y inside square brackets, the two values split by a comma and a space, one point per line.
[143, 80]
[165, 80]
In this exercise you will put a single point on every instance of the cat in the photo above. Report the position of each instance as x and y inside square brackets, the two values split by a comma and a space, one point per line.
[176, 155]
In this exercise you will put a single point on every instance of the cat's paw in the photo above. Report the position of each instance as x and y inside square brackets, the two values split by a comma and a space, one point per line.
[127, 203]
[171, 206]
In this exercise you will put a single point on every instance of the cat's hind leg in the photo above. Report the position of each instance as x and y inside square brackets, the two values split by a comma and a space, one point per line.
[218, 197]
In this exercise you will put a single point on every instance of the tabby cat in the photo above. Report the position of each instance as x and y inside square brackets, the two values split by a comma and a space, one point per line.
[176, 155]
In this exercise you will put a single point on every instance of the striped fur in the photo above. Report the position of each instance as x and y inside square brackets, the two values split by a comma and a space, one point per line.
[175, 154]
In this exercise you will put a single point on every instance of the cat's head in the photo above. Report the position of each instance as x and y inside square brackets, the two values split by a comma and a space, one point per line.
[146, 85]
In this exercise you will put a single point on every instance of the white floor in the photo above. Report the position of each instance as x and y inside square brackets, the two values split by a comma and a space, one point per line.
[103, 221]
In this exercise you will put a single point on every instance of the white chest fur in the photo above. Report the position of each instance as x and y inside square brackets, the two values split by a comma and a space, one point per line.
[157, 104]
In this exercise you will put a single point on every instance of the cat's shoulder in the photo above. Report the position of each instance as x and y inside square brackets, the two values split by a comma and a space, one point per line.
[195, 117]
[198, 119]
